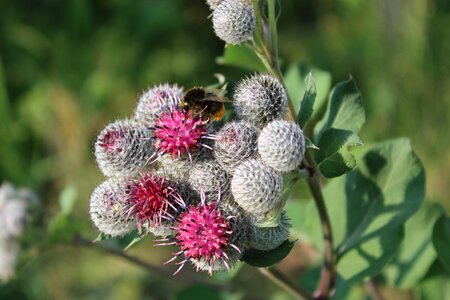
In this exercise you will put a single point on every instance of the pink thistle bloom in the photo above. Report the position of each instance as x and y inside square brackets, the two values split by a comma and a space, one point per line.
[203, 233]
[153, 199]
[178, 132]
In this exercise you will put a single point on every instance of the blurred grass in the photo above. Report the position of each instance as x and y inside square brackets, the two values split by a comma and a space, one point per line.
[67, 68]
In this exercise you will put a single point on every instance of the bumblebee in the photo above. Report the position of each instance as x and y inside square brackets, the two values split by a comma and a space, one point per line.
[206, 102]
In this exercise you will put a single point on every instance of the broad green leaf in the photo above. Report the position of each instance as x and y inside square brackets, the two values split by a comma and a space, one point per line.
[296, 86]
[368, 208]
[262, 259]
[241, 56]
[381, 194]
[434, 289]
[307, 104]
[334, 157]
[344, 110]
[198, 292]
[441, 240]
[416, 253]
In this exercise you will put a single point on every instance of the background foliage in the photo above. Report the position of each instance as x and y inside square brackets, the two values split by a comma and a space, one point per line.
[69, 67]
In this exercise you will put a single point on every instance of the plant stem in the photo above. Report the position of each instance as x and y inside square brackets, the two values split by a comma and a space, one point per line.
[373, 290]
[285, 283]
[270, 60]
[188, 278]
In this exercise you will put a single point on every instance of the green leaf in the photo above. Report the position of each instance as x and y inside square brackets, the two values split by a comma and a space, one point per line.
[416, 253]
[381, 194]
[434, 289]
[441, 240]
[67, 199]
[134, 241]
[368, 208]
[344, 110]
[310, 145]
[262, 259]
[62, 229]
[334, 157]
[307, 105]
[101, 237]
[241, 56]
[296, 85]
[198, 292]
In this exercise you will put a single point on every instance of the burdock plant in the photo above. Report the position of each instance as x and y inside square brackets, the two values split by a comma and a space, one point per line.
[220, 192]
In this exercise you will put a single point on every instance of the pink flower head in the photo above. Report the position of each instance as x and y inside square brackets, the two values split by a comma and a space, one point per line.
[203, 233]
[153, 199]
[178, 132]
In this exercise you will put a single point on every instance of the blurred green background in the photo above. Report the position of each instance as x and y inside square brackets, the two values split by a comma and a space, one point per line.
[67, 68]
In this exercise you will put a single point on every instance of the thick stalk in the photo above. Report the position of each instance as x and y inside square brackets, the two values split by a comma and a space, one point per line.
[285, 283]
[328, 276]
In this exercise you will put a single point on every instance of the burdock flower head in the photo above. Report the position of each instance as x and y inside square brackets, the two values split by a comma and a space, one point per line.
[178, 132]
[234, 21]
[281, 145]
[108, 208]
[235, 143]
[256, 187]
[156, 100]
[260, 99]
[123, 148]
[154, 202]
[209, 236]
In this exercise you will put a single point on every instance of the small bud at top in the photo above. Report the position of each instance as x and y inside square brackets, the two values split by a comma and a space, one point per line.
[256, 187]
[234, 21]
[281, 145]
[123, 148]
[260, 99]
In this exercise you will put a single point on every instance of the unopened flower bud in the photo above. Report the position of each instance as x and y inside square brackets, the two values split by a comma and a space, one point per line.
[234, 21]
[268, 238]
[235, 143]
[206, 175]
[109, 208]
[281, 145]
[260, 99]
[256, 187]
[123, 148]
[157, 100]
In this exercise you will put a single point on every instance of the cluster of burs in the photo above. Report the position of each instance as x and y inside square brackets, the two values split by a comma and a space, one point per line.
[212, 191]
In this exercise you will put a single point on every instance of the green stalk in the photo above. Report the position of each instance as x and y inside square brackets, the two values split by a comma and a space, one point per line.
[268, 53]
